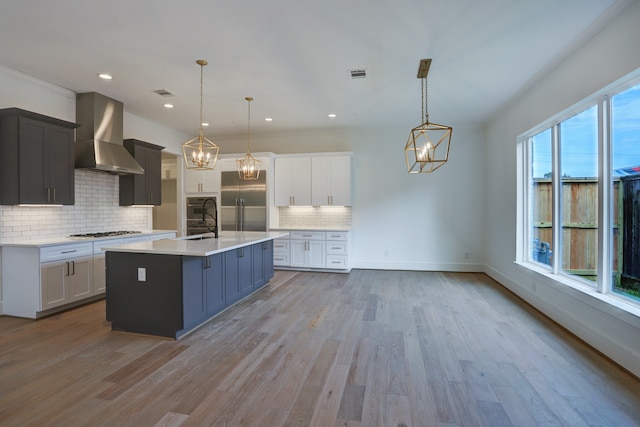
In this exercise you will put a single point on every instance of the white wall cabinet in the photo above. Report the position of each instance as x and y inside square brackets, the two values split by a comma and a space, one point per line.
[331, 181]
[292, 184]
[202, 181]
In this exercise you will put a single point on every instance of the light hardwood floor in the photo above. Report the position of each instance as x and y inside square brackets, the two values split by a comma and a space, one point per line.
[370, 348]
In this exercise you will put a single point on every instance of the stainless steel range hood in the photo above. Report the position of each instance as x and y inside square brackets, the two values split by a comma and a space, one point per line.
[99, 136]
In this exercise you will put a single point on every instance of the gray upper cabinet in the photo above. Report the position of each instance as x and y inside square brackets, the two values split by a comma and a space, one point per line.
[143, 189]
[36, 159]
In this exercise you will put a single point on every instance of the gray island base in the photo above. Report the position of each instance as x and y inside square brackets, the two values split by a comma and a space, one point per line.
[171, 287]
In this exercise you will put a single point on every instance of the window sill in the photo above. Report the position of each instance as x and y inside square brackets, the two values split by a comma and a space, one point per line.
[620, 308]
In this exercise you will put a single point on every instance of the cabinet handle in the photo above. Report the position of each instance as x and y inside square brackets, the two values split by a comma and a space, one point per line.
[48, 195]
[66, 268]
[54, 194]
[69, 252]
[73, 268]
[329, 200]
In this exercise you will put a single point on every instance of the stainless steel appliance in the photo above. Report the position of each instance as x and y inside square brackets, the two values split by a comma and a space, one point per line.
[244, 203]
[103, 234]
[202, 215]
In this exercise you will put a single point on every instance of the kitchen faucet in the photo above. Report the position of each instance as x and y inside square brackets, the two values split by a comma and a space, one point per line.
[214, 216]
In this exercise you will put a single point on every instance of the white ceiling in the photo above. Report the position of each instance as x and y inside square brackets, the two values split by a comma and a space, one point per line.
[293, 56]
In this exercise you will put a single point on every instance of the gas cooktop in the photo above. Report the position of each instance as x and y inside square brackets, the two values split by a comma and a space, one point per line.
[104, 234]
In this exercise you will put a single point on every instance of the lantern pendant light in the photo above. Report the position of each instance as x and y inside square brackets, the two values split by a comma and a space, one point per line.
[200, 153]
[427, 148]
[248, 166]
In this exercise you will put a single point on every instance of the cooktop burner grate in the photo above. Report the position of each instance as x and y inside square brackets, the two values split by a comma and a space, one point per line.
[106, 233]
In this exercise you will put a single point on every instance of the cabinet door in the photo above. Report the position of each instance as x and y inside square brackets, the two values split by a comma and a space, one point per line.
[231, 280]
[53, 292]
[315, 254]
[298, 253]
[33, 162]
[99, 275]
[267, 263]
[79, 279]
[331, 181]
[258, 265]
[202, 181]
[61, 161]
[320, 181]
[340, 181]
[152, 172]
[292, 184]
[213, 283]
[245, 269]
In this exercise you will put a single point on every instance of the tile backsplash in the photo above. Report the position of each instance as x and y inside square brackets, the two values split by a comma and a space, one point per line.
[307, 216]
[96, 209]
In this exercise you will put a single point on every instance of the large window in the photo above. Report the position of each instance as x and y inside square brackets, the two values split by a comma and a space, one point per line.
[582, 216]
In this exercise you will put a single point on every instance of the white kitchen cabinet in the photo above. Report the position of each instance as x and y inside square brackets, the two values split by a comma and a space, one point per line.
[281, 251]
[63, 282]
[308, 249]
[292, 183]
[337, 250]
[331, 181]
[202, 181]
[312, 250]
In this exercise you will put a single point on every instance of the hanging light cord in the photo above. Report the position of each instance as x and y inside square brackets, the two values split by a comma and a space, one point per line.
[249, 99]
[425, 106]
[201, 80]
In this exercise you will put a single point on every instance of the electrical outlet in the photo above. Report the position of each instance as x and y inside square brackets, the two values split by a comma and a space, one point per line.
[142, 274]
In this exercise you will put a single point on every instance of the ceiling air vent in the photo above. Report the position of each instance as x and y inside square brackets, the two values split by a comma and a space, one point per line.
[163, 92]
[359, 73]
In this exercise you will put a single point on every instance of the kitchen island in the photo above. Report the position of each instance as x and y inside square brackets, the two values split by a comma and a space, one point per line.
[170, 287]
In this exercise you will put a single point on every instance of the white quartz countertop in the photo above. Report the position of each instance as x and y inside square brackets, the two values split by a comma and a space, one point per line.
[226, 241]
[52, 241]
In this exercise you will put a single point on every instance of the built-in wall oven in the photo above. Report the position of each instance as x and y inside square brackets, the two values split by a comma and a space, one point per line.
[202, 215]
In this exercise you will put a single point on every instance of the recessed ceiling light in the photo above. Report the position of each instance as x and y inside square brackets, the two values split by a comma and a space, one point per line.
[205, 124]
[167, 105]
[268, 119]
[331, 115]
[105, 76]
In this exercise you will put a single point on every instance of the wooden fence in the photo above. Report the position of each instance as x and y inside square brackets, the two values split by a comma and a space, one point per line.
[579, 223]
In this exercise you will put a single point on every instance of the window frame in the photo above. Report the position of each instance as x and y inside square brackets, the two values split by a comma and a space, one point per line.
[604, 284]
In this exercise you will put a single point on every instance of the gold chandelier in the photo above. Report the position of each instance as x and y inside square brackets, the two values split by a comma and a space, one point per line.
[427, 148]
[248, 166]
[200, 153]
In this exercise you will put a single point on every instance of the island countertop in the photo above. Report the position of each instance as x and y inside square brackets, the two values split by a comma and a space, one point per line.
[226, 241]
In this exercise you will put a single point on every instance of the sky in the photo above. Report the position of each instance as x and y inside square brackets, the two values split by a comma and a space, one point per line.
[579, 143]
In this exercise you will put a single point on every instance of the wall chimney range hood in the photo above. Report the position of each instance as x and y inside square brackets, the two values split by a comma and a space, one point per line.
[99, 136]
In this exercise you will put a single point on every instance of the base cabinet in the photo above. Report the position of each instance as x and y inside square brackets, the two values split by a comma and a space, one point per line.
[307, 253]
[65, 282]
[312, 250]
[179, 293]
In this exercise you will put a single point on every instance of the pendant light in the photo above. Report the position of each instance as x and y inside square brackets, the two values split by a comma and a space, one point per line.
[248, 166]
[427, 148]
[200, 153]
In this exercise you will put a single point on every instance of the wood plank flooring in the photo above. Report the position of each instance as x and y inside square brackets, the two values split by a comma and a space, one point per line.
[370, 348]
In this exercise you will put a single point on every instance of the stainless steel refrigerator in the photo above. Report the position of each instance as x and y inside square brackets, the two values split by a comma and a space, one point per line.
[243, 203]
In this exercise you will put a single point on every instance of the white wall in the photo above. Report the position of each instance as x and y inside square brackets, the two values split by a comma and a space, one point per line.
[401, 221]
[600, 61]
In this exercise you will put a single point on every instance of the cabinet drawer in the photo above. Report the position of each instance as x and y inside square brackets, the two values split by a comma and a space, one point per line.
[336, 261]
[53, 253]
[281, 246]
[307, 235]
[336, 248]
[336, 235]
[281, 259]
